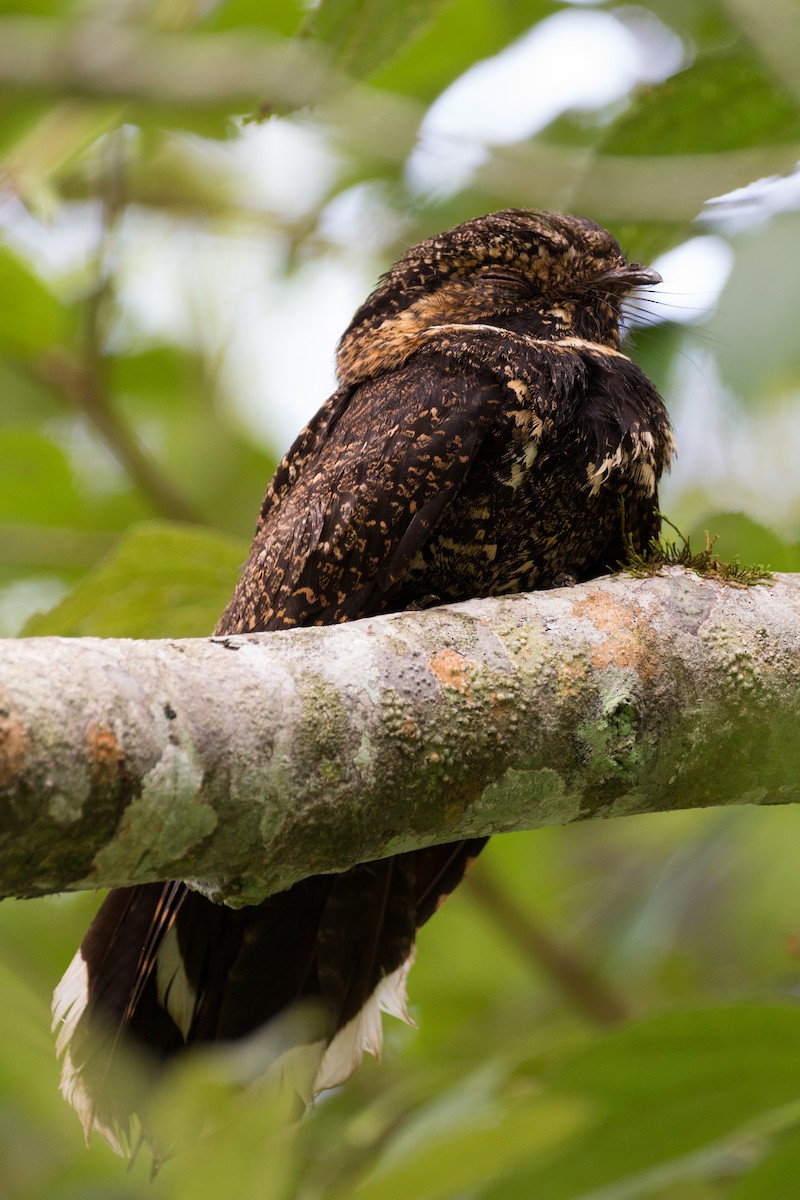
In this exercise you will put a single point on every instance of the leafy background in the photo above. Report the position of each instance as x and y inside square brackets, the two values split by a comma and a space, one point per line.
[606, 1011]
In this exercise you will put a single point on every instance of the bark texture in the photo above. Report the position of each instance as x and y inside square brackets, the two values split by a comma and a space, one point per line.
[249, 762]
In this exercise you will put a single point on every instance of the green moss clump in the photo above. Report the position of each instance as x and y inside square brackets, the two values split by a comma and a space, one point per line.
[663, 552]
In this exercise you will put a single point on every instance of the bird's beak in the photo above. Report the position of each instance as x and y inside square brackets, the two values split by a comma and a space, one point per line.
[631, 275]
[635, 275]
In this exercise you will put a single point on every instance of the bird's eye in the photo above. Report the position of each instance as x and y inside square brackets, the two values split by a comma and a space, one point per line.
[512, 280]
[497, 274]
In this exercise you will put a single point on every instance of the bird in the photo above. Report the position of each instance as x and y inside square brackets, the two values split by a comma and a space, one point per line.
[487, 436]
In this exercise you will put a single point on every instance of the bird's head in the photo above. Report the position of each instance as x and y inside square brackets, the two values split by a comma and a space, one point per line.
[539, 273]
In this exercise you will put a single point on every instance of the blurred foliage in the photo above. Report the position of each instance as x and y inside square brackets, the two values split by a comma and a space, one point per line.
[620, 1020]
[161, 580]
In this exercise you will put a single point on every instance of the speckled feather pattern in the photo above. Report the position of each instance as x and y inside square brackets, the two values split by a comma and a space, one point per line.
[538, 441]
[487, 436]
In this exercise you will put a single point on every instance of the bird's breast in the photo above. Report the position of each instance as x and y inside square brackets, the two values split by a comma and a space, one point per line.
[542, 500]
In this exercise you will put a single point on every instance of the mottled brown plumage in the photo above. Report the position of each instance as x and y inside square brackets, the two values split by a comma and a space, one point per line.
[487, 436]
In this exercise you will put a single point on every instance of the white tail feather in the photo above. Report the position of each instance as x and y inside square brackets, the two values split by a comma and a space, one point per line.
[296, 1069]
[364, 1030]
[174, 991]
[307, 1066]
[69, 1001]
[75, 1092]
[391, 992]
[69, 1004]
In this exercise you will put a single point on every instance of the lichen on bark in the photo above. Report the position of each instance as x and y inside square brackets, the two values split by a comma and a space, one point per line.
[247, 762]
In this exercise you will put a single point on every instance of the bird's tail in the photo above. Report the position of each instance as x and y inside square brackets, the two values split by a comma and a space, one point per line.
[161, 967]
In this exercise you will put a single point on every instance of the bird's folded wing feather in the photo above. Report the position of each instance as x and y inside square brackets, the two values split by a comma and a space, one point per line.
[348, 511]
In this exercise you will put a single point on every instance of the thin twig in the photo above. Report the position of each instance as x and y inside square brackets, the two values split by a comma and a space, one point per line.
[84, 381]
[577, 980]
[62, 370]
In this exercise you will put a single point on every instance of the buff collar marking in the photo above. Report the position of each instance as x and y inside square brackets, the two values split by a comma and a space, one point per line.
[569, 343]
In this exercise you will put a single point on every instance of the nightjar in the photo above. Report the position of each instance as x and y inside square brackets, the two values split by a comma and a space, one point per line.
[487, 436]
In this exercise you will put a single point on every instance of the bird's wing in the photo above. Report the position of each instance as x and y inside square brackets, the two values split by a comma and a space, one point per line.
[358, 495]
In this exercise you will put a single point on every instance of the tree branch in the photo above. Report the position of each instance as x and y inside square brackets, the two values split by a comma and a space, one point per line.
[250, 762]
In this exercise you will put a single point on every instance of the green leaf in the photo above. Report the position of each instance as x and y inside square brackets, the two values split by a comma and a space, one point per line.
[37, 8]
[283, 17]
[26, 399]
[162, 580]
[37, 485]
[365, 34]
[664, 1090]
[457, 1162]
[246, 1150]
[18, 116]
[463, 32]
[724, 101]
[206, 120]
[775, 1177]
[31, 317]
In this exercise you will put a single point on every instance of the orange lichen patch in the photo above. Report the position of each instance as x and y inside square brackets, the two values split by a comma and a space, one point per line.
[12, 745]
[630, 640]
[571, 676]
[105, 754]
[451, 669]
[409, 728]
